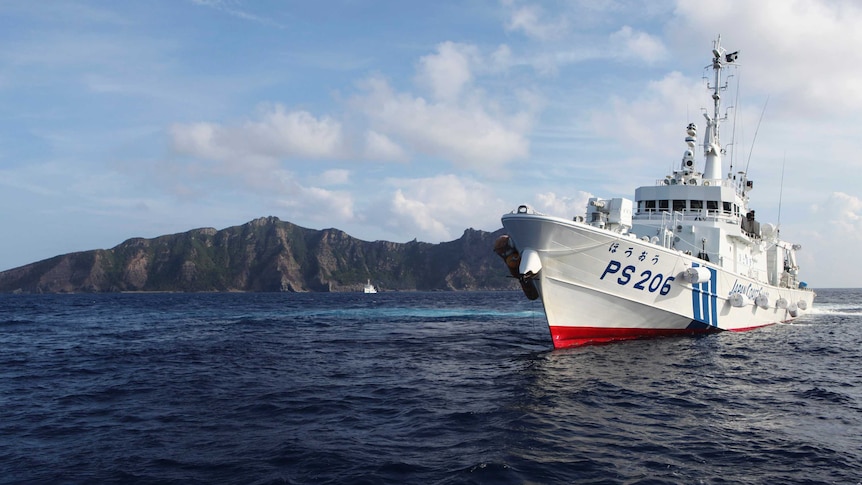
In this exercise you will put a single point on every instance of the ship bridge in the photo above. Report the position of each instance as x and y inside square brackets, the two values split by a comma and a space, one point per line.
[699, 212]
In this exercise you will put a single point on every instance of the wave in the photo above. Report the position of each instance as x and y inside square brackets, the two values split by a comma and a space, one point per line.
[13, 322]
[837, 309]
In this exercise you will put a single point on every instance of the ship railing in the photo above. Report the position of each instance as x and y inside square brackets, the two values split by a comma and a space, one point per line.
[661, 215]
[722, 183]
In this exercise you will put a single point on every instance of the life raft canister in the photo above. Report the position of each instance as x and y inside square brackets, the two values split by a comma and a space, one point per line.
[504, 248]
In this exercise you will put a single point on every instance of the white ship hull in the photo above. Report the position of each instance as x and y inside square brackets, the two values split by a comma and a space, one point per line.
[687, 255]
[598, 286]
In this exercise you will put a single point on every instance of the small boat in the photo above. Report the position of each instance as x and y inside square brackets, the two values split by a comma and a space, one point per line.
[369, 288]
[687, 256]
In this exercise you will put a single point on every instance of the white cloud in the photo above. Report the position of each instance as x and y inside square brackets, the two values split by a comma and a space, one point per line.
[420, 217]
[640, 45]
[278, 134]
[197, 139]
[447, 72]
[439, 208]
[501, 58]
[832, 233]
[380, 147]
[797, 51]
[35, 179]
[534, 22]
[844, 213]
[319, 205]
[473, 135]
[334, 177]
[563, 206]
[459, 122]
[657, 117]
[230, 9]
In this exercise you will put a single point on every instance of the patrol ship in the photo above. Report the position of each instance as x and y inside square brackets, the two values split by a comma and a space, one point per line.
[688, 256]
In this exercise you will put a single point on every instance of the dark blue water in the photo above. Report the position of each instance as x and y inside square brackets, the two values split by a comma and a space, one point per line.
[423, 388]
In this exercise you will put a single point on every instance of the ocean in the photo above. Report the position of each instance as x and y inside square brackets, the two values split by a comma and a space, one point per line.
[425, 388]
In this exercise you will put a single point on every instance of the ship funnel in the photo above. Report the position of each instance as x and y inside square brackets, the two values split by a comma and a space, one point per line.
[712, 166]
[711, 150]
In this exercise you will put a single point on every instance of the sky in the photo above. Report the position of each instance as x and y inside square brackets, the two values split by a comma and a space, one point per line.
[394, 120]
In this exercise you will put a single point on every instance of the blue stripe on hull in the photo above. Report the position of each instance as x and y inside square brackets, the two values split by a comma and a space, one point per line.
[704, 301]
[714, 281]
[695, 306]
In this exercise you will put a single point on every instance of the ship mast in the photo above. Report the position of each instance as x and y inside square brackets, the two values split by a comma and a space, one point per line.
[711, 144]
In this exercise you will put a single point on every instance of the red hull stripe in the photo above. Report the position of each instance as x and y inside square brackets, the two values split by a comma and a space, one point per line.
[576, 336]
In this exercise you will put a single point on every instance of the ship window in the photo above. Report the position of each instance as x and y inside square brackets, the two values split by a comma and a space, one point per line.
[735, 209]
[696, 204]
[649, 205]
[678, 205]
[726, 206]
[712, 205]
[662, 205]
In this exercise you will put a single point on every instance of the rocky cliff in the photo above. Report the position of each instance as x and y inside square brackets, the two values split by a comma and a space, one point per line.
[267, 255]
